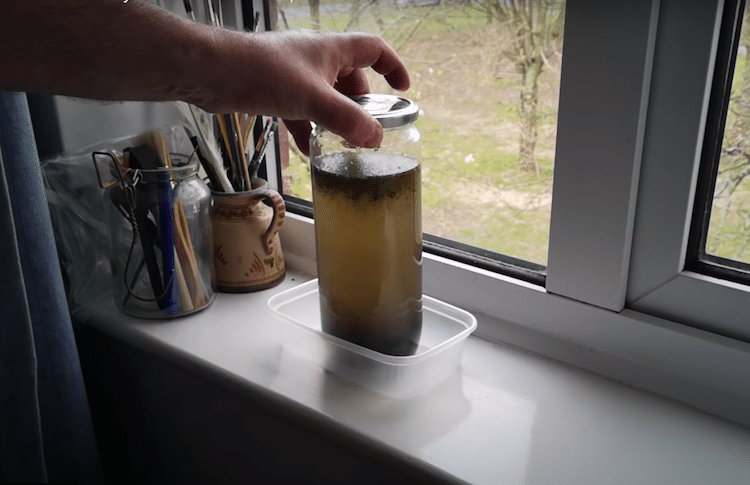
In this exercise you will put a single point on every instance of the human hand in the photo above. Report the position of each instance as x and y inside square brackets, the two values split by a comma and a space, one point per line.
[302, 76]
[50, 46]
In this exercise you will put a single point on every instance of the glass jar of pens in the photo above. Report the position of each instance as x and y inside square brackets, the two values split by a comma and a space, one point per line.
[247, 214]
[158, 214]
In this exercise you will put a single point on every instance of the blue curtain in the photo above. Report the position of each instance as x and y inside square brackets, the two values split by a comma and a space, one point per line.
[46, 433]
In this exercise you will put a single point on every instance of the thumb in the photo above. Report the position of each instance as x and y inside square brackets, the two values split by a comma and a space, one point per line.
[344, 117]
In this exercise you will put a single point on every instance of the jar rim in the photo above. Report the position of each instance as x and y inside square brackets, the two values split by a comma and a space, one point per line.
[390, 110]
[159, 174]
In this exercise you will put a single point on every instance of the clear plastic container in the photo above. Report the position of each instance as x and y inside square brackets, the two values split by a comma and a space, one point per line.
[444, 332]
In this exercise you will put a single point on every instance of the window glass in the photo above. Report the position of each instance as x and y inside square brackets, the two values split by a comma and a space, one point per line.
[729, 227]
[486, 76]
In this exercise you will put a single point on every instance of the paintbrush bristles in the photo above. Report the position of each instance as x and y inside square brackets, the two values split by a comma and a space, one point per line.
[248, 123]
[157, 141]
[225, 136]
[195, 119]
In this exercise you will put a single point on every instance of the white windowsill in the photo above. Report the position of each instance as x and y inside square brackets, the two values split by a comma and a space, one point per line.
[506, 416]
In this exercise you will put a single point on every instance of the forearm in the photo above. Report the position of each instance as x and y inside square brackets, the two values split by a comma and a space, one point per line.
[101, 49]
[132, 50]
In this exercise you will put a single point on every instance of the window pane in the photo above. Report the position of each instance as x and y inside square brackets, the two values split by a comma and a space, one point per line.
[486, 77]
[729, 226]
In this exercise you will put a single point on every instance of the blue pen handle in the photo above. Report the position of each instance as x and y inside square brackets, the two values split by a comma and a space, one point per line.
[170, 300]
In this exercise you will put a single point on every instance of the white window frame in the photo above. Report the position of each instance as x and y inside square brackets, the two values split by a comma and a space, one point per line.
[634, 90]
[600, 127]
[659, 283]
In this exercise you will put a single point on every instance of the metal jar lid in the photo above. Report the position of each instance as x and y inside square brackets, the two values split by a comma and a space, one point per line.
[391, 111]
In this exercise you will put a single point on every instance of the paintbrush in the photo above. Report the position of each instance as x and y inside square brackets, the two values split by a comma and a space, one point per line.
[241, 149]
[256, 21]
[207, 144]
[213, 18]
[189, 9]
[229, 161]
[260, 147]
[247, 126]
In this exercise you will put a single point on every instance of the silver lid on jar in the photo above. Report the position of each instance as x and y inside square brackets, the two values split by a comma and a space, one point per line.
[391, 111]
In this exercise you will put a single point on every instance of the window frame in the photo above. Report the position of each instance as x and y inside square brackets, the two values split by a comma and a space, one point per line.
[599, 145]
[622, 305]
[661, 283]
[697, 259]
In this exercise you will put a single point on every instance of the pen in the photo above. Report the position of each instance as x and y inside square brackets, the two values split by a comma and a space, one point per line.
[167, 231]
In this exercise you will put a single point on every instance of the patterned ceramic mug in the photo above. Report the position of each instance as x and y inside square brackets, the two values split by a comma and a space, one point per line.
[247, 251]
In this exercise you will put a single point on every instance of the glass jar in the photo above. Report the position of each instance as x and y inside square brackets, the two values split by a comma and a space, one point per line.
[160, 240]
[368, 231]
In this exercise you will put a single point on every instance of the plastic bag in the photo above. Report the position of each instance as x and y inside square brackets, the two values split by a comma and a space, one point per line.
[75, 202]
[79, 221]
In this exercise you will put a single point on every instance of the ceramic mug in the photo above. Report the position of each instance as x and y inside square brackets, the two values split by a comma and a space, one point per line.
[247, 250]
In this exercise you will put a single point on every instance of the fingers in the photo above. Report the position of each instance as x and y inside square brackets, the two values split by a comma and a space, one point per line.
[355, 126]
[344, 117]
[353, 84]
[339, 114]
[300, 130]
[371, 51]
[310, 76]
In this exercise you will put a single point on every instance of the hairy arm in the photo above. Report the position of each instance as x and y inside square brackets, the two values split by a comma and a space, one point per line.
[116, 50]
[99, 49]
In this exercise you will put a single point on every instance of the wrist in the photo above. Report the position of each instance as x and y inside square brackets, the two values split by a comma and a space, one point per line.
[226, 71]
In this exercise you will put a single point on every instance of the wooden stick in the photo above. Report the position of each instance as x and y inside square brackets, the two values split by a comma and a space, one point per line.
[186, 267]
[225, 135]
[186, 301]
[186, 253]
[247, 127]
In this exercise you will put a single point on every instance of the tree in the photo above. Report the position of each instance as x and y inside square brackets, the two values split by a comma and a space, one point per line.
[315, 14]
[730, 217]
[534, 26]
[357, 8]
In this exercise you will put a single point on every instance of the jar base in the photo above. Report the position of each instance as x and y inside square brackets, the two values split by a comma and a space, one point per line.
[156, 314]
[262, 285]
